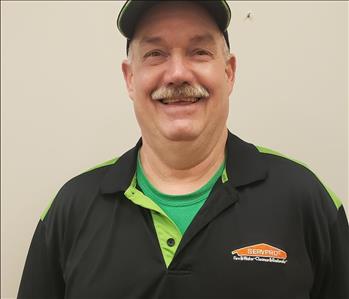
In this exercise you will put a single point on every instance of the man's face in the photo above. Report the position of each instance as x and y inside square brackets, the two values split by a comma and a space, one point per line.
[178, 46]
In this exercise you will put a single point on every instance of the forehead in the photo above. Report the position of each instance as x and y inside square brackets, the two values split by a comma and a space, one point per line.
[173, 17]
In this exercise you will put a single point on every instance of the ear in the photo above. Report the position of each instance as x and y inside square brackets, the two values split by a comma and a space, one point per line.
[128, 76]
[230, 69]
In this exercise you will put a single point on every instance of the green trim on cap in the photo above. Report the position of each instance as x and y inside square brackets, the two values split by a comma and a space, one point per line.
[334, 197]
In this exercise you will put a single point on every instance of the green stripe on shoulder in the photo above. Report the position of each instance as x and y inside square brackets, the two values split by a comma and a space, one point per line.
[333, 196]
[44, 213]
[265, 150]
[109, 162]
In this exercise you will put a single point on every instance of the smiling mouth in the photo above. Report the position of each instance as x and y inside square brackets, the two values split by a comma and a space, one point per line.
[190, 100]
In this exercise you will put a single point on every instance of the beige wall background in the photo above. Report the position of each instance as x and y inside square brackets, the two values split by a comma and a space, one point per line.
[65, 106]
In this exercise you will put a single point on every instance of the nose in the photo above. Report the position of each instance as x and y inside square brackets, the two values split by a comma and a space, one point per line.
[178, 71]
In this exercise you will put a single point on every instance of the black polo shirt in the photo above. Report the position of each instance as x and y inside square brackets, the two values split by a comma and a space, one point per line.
[269, 229]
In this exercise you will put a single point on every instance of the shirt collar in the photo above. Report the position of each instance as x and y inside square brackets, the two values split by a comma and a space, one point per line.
[244, 165]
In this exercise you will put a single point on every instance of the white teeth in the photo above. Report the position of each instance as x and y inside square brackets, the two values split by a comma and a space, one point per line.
[172, 100]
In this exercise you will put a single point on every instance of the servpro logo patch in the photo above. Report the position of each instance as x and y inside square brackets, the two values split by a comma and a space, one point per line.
[261, 253]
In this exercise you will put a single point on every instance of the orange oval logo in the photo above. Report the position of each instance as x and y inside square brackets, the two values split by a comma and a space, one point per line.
[261, 250]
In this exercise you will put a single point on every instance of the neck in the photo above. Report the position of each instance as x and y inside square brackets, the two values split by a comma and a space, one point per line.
[174, 173]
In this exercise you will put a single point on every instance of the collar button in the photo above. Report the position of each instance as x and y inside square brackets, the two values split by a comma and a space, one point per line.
[171, 242]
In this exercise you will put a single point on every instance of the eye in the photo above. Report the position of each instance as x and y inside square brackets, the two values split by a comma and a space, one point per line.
[201, 52]
[154, 53]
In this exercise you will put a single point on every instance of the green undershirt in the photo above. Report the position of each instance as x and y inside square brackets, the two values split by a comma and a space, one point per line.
[181, 209]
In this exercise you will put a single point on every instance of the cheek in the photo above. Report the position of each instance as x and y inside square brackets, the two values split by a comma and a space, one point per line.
[143, 113]
[213, 77]
[146, 81]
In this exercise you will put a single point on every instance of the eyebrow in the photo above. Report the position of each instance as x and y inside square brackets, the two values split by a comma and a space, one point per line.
[151, 40]
[200, 38]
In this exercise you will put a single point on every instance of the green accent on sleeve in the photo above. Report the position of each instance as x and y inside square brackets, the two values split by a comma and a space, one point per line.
[333, 196]
[275, 153]
[106, 163]
[44, 213]
[109, 162]
[164, 226]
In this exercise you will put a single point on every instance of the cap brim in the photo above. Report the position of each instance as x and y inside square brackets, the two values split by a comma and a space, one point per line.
[130, 15]
[132, 11]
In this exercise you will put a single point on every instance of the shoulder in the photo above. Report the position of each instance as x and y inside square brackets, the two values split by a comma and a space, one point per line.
[79, 189]
[301, 183]
[278, 162]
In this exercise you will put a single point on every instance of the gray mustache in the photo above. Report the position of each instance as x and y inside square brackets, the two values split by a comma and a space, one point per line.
[183, 91]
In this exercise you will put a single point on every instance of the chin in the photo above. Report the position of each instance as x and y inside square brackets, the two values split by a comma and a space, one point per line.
[181, 134]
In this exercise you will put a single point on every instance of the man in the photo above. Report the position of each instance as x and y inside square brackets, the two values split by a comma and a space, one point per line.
[192, 211]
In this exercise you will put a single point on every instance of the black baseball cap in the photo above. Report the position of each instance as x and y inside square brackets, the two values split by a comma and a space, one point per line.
[133, 10]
